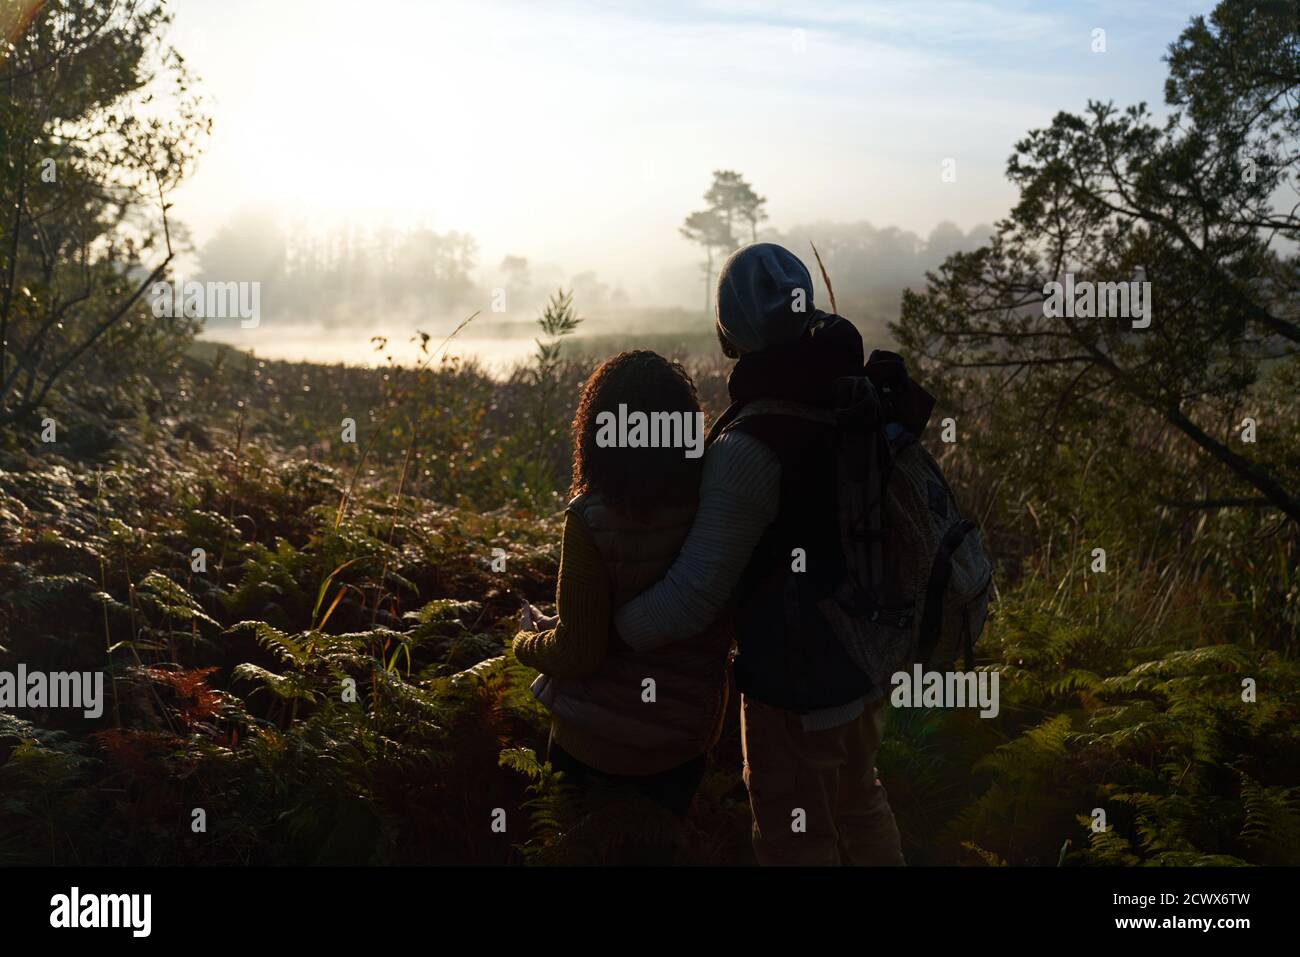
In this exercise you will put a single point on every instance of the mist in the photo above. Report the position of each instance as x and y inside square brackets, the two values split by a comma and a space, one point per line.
[327, 293]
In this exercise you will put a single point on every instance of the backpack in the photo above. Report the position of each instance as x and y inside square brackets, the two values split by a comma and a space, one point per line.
[915, 580]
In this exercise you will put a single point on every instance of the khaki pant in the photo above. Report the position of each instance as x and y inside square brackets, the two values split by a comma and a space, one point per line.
[830, 777]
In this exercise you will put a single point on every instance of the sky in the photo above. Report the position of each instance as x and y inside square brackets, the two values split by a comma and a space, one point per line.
[581, 134]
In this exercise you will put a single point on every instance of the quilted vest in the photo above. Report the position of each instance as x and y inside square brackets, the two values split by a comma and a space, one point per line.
[616, 720]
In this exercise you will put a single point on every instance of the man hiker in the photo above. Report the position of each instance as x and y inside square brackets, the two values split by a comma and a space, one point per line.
[811, 722]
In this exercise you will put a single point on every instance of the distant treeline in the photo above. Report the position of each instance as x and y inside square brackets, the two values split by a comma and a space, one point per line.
[348, 274]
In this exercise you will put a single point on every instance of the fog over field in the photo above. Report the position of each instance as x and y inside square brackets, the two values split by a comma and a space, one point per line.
[323, 296]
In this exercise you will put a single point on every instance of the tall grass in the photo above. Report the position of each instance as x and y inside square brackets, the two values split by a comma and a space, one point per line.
[1121, 690]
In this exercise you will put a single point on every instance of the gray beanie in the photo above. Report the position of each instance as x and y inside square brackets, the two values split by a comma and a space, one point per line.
[758, 305]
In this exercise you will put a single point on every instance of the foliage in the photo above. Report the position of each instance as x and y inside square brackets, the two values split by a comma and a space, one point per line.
[1189, 207]
[1119, 690]
[98, 124]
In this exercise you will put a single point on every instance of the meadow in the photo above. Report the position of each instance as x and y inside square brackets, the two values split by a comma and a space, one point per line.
[391, 565]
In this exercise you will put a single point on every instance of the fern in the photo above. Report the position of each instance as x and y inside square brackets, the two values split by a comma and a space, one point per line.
[165, 597]
[1271, 825]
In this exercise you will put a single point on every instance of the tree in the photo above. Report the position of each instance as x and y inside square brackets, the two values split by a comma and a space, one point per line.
[1189, 206]
[708, 228]
[251, 245]
[736, 201]
[518, 280]
[731, 201]
[97, 126]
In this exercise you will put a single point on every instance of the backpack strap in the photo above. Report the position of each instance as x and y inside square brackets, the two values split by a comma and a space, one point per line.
[776, 423]
[857, 410]
[738, 411]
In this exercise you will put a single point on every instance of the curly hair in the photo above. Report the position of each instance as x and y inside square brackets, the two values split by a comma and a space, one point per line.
[634, 479]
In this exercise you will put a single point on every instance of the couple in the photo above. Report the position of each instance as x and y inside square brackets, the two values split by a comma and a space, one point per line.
[666, 558]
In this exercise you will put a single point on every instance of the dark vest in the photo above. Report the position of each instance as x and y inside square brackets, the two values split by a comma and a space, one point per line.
[603, 720]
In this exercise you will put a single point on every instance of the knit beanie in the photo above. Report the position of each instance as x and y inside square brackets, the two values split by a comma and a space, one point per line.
[765, 297]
